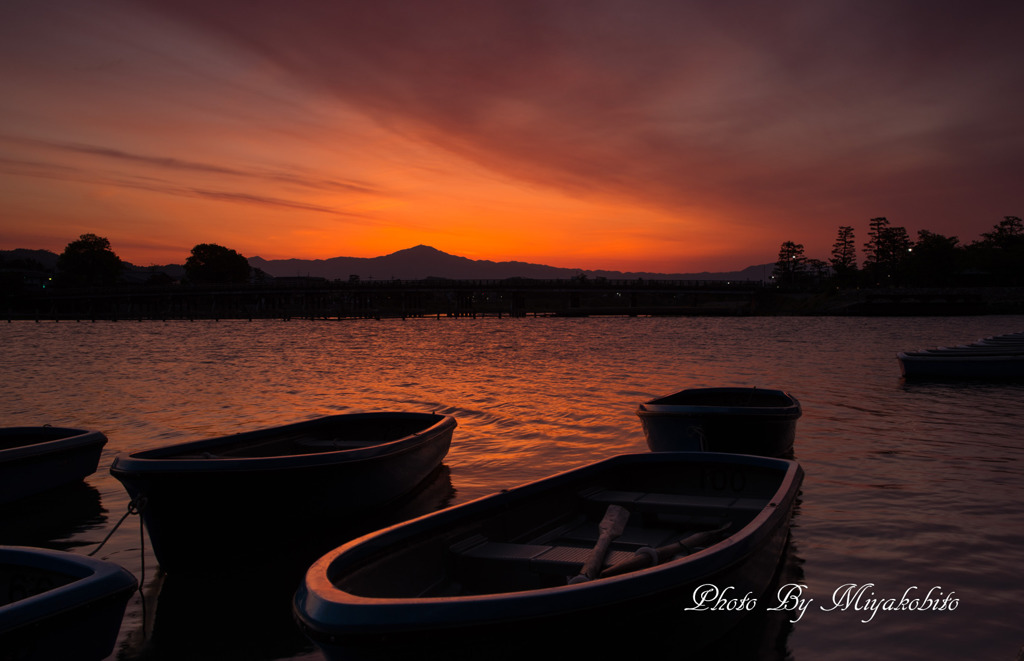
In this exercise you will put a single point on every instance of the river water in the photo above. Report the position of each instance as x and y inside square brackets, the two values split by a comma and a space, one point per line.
[909, 487]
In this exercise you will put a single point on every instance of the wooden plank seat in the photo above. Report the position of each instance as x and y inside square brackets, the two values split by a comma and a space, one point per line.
[656, 520]
[545, 558]
[640, 501]
[632, 538]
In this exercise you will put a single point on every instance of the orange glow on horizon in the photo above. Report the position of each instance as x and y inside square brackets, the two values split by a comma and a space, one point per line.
[615, 146]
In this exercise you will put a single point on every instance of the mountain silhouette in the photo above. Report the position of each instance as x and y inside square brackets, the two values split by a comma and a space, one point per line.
[416, 263]
[422, 262]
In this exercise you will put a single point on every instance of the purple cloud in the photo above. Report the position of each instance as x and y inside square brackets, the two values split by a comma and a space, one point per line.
[791, 106]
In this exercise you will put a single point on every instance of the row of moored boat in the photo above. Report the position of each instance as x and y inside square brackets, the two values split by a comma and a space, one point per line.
[620, 544]
[997, 357]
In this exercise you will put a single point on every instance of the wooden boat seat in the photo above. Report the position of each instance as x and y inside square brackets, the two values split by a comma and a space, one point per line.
[638, 500]
[544, 558]
[632, 538]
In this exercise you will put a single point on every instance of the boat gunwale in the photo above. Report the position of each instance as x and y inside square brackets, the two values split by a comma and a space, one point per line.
[788, 407]
[959, 357]
[74, 439]
[167, 459]
[362, 614]
[676, 410]
[92, 580]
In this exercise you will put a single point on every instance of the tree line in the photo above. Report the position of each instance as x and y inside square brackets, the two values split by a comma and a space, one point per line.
[89, 261]
[893, 259]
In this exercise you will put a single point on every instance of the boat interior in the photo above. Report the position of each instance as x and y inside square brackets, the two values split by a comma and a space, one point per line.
[302, 438]
[753, 397]
[556, 555]
[15, 437]
[545, 543]
[18, 582]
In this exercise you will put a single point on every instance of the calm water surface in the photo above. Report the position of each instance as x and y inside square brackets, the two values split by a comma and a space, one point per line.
[908, 485]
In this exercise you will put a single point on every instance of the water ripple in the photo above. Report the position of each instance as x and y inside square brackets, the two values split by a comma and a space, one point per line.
[906, 483]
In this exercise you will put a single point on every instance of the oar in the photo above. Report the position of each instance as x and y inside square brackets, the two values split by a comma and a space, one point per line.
[649, 557]
[612, 525]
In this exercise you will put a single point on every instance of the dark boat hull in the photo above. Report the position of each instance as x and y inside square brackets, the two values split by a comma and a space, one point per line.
[965, 366]
[741, 420]
[38, 459]
[998, 358]
[58, 605]
[199, 511]
[349, 616]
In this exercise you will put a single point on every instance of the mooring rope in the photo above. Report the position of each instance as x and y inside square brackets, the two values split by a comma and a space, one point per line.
[142, 559]
[132, 509]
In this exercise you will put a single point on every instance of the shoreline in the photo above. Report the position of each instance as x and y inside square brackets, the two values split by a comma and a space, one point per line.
[472, 299]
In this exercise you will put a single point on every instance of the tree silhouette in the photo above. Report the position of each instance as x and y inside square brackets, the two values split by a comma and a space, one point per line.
[790, 265]
[844, 255]
[88, 262]
[1007, 234]
[887, 252]
[211, 263]
[1000, 254]
[935, 259]
[872, 249]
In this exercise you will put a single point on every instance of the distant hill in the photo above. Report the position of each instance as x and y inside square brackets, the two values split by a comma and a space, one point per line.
[48, 260]
[423, 262]
[418, 263]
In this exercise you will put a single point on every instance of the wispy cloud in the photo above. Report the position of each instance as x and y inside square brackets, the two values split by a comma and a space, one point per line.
[248, 198]
[674, 103]
[208, 168]
[63, 172]
[675, 128]
[196, 167]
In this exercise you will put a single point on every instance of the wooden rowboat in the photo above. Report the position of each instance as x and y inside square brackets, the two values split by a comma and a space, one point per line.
[59, 605]
[260, 492]
[38, 459]
[743, 420]
[504, 570]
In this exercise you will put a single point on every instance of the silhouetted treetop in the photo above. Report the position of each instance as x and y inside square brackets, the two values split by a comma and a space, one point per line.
[1001, 252]
[1008, 233]
[87, 262]
[211, 263]
[935, 259]
[790, 265]
[844, 254]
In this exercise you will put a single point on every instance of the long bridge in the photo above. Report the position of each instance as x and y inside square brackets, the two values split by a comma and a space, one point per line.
[313, 298]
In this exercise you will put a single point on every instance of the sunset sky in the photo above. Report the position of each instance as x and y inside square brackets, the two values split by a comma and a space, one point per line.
[666, 136]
